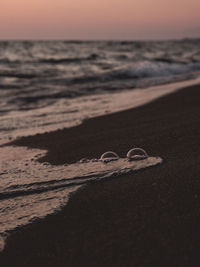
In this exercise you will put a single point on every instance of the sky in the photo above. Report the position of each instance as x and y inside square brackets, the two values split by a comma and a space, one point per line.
[99, 19]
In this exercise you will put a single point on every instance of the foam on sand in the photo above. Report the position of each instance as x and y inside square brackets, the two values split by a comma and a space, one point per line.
[31, 190]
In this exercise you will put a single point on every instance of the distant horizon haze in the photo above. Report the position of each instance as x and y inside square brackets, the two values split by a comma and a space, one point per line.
[95, 20]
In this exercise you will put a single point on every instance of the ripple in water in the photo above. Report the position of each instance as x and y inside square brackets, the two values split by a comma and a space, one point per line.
[31, 190]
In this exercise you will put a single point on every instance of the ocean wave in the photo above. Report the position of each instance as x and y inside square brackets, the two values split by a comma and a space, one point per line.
[68, 60]
[143, 69]
[153, 69]
[45, 76]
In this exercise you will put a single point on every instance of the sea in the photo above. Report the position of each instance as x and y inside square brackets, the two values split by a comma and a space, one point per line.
[50, 85]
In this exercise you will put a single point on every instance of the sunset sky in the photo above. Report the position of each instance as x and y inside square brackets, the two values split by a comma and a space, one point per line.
[99, 19]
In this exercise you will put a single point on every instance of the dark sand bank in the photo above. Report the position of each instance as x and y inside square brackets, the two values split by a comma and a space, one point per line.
[150, 218]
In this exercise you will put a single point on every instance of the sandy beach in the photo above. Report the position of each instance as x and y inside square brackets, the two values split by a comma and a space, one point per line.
[148, 218]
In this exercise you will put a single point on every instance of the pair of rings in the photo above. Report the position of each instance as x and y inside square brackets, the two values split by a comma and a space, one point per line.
[133, 154]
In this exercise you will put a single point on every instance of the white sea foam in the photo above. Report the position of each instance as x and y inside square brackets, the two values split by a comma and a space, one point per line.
[31, 190]
[71, 112]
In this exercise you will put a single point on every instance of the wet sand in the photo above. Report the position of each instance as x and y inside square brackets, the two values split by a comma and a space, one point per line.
[150, 218]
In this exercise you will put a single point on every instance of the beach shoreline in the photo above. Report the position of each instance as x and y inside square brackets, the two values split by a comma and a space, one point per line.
[141, 219]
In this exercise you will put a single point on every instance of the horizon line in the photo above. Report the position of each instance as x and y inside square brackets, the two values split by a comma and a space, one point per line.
[95, 40]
